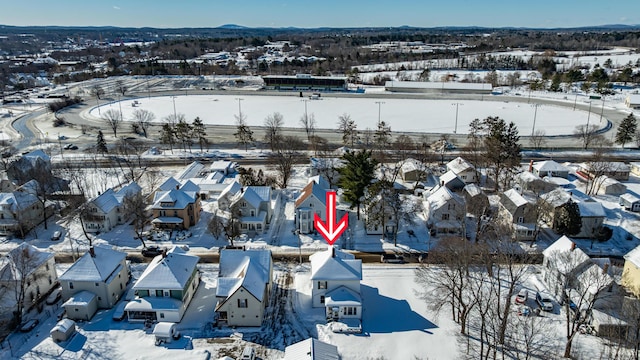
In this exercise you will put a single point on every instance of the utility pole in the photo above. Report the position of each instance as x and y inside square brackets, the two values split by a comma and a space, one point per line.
[379, 109]
[175, 115]
[305, 108]
[602, 110]
[455, 129]
[239, 109]
[588, 116]
[535, 114]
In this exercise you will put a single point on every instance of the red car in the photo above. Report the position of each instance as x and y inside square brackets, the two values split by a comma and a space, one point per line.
[522, 296]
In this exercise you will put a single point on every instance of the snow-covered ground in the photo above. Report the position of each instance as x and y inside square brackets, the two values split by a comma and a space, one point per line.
[413, 115]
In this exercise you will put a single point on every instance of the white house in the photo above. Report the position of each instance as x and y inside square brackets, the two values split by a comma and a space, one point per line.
[630, 202]
[632, 101]
[335, 280]
[165, 288]
[101, 271]
[465, 171]
[311, 349]
[256, 209]
[223, 166]
[19, 212]
[312, 200]
[25, 272]
[610, 186]
[244, 284]
[107, 210]
[412, 170]
[549, 168]
[225, 197]
[445, 212]
[592, 213]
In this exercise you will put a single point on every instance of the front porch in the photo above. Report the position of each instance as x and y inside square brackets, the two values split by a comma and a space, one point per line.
[342, 303]
[154, 309]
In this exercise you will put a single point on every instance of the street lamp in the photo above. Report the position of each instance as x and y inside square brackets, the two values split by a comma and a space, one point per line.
[379, 108]
[239, 109]
[602, 110]
[535, 114]
[175, 114]
[588, 116]
[305, 108]
[455, 129]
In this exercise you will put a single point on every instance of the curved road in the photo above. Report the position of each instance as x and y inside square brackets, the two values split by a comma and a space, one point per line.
[24, 126]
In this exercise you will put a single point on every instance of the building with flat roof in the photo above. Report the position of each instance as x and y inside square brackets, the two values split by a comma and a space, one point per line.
[305, 82]
[438, 87]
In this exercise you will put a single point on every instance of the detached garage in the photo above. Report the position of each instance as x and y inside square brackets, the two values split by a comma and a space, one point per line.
[81, 306]
[63, 330]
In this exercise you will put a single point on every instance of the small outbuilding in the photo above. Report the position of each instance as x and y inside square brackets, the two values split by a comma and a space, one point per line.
[165, 332]
[630, 202]
[81, 306]
[610, 186]
[63, 330]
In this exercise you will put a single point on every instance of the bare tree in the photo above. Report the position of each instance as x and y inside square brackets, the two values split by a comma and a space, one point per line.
[286, 155]
[597, 167]
[113, 119]
[273, 129]
[215, 225]
[97, 91]
[135, 207]
[143, 119]
[232, 226]
[587, 134]
[385, 207]
[349, 129]
[121, 87]
[538, 139]
[308, 123]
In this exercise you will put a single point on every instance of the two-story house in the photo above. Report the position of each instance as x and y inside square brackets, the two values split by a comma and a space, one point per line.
[165, 288]
[445, 212]
[19, 212]
[335, 281]
[102, 271]
[592, 213]
[465, 171]
[312, 200]
[519, 212]
[176, 208]
[227, 195]
[254, 204]
[107, 210]
[244, 284]
[631, 272]
[25, 273]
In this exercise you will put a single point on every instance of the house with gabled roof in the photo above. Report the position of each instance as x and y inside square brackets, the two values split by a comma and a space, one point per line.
[312, 200]
[19, 212]
[527, 181]
[519, 211]
[592, 213]
[256, 209]
[102, 271]
[227, 195]
[412, 170]
[445, 212]
[451, 181]
[224, 166]
[176, 208]
[311, 349]
[549, 168]
[244, 284]
[335, 281]
[475, 198]
[26, 270]
[631, 272]
[165, 288]
[106, 211]
[465, 171]
[613, 169]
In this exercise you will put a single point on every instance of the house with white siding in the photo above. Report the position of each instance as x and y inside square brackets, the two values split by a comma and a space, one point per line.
[244, 284]
[106, 211]
[445, 212]
[465, 171]
[312, 200]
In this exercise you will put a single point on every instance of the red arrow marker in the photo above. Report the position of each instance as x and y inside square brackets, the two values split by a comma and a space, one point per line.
[331, 230]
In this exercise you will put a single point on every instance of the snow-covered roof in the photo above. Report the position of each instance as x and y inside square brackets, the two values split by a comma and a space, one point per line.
[190, 186]
[264, 192]
[609, 166]
[81, 298]
[527, 177]
[562, 246]
[342, 296]
[438, 85]
[249, 269]
[549, 166]
[16, 201]
[192, 170]
[170, 272]
[606, 181]
[633, 99]
[222, 165]
[594, 278]
[63, 325]
[591, 209]
[231, 189]
[320, 180]
[633, 256]
[441, 197]
[450, 177]
[314, 189]
[169, 184]
[250, 196]
[163, 328]
[10, 268]
[178, 198]
[95, 268]
[311, 349]
[334, 264]
[106, 201]
[459, 165]
[473, 190]
[37, 154]
[629, 198]
[516, 198]
[411, 164]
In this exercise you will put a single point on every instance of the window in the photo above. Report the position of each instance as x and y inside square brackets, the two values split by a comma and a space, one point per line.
[310, 204]
[322, 284]
[244, 204]
[47, 266]
[259, 227]
[50, 281]
[97, 284]
[445, 216]
[99, 298]
[161, 315]
[321, 299]
[71, 285]
[242, 303]
[520, 220]
[120, 286]
[159, 293]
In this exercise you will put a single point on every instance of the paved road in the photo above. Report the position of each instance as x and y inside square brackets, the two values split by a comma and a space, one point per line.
[24, 125]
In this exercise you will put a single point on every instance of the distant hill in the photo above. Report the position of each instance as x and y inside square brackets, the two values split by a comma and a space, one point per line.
[232, 27]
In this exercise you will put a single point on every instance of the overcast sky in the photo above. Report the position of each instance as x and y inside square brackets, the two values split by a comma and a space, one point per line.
[331, 13]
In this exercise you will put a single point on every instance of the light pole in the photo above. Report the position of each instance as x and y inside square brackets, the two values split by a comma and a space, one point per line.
[588, 116]
[602, 110]
[455, 128]
[574, 102]
[379, 109]
[305, 108]
[175, 114]
[120, 106]
[535, 115]
[239, 109]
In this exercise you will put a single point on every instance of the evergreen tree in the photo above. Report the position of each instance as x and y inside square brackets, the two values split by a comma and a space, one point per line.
[243, 134]
[567, 220]
[182, 132]
[101, 145]
[167, 135]
[626, 130]
[502, 151]
[356, 176]
[382, 139]
[197, 132]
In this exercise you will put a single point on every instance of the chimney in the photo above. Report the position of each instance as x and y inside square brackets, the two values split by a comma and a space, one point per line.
[164, 253]
[530, 165]
[177, 187]
[573, 246]
[442, 183]
[92, 252]
[333, 252]
[605, 269]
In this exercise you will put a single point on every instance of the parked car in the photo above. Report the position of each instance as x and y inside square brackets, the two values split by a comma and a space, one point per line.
[248, 353]
[392, 258]
[522, 296]
[73, 147]
[29, 325]
[119, 313]
[56, 236]
[55, 295]
[544, 301]
[152, 251]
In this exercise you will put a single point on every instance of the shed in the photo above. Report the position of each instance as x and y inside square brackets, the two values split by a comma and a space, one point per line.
[63, 330]
[81, 306]
[610, 186]
[165, 332]
[630, 202]
[311, 349]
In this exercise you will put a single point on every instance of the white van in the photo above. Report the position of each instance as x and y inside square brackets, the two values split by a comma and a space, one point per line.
[248, 353]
